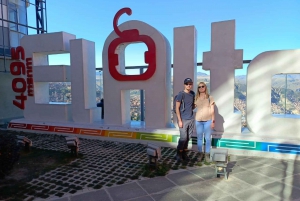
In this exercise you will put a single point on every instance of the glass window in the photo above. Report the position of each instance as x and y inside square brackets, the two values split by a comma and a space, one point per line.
[17, 13]
[3, 2]
[3, 13]
[13, 16]
[22, 20]
[17, 2]
[285, 94]
[14, 39]
[4, 37]
[4, 41]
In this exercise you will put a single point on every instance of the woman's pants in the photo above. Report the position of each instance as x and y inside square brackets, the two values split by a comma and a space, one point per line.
[203, 128]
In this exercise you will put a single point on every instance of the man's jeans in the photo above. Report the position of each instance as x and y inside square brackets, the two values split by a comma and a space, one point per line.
[203, 128]
[185, 133]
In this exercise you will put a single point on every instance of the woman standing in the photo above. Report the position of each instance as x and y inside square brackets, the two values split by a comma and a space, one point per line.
[205, 119]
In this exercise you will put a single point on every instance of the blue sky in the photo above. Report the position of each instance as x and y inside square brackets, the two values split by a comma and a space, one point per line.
[260, 25]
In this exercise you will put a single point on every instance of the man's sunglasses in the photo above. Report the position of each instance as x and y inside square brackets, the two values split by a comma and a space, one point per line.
[189, 84]
[201, 87]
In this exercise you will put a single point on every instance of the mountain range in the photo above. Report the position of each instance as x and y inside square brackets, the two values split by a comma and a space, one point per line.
[278, 80]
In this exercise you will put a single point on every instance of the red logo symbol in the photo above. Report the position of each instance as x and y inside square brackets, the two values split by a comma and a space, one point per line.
[130, 36]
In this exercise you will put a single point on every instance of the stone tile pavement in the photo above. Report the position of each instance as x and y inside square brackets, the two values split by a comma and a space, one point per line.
[250, 178]
[110, 166]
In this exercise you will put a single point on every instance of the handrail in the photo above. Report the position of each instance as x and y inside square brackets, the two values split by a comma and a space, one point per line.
[145, 66]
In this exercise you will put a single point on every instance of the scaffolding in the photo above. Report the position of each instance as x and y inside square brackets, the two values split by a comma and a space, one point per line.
[14, 25]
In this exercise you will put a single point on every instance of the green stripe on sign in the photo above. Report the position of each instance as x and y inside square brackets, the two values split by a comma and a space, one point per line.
[175, 138]
[238, 144]
[154, 136]
[214, 141]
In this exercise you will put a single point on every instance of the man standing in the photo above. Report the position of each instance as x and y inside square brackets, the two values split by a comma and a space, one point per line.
[184, 112]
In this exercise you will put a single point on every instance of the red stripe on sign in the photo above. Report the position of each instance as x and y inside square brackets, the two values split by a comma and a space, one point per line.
[41, 128]
[17, 125]
[60, 129]
[90, 132]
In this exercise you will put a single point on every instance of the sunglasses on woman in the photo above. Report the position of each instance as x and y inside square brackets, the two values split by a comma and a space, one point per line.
[201, 87]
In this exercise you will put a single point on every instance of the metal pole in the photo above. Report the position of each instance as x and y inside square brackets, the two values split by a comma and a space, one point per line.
[37, 16]
[26, 17]
[45, 21]
[142, 98]
[285, 94]
[138, 67]
[142, 91]
[3, 35]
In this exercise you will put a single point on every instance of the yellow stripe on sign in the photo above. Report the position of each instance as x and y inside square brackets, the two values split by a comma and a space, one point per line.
[120, 134]
[156, 137]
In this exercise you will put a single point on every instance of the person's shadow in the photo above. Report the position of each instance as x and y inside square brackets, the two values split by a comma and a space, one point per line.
[219, 125]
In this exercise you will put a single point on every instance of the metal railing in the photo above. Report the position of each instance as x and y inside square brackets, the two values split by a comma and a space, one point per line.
[141, 70]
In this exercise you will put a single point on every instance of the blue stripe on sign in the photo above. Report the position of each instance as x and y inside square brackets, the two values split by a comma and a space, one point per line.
[282, 148]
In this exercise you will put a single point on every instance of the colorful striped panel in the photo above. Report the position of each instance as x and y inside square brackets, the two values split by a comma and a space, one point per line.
[120, 134]
[239, 144]
[57, 129]
[224, 143]
[257, 146]
[175, 139]
[154, 137]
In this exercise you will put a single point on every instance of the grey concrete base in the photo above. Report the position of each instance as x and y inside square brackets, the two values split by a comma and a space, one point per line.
[176, 194]
[184, 178]
[91, 196]
[156, 185]
[282, 191]
[250, 179]
[126, 192]
[255, 194]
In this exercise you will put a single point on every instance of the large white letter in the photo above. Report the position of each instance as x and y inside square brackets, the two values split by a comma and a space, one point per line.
[222, 60]
[157, 86]
[83, 78]
[259, 80]
[185, 58]
[82, 53]
[39, 47]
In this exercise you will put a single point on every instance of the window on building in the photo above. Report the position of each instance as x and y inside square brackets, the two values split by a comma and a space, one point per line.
[13, 16]
[18, 18]
[285, 94]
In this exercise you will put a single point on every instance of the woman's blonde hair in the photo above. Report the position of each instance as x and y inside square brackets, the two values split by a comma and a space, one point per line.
[198, 93]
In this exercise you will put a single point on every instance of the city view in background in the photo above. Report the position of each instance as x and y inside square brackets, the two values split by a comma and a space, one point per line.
[285, 94]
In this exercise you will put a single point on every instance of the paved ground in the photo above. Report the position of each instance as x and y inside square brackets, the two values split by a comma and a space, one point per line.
[251, 178]
[109, 166]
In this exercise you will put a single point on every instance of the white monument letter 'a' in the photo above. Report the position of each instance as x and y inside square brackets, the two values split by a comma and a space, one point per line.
[222, 60]
[155, 81]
